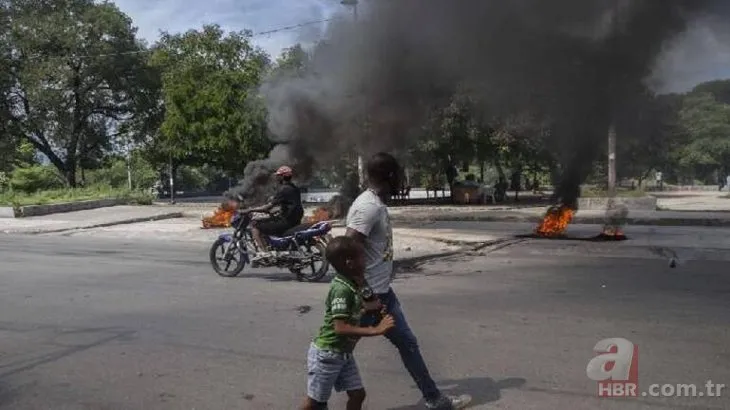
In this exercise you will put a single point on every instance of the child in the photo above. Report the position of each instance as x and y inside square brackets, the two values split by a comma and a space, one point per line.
[330, 362]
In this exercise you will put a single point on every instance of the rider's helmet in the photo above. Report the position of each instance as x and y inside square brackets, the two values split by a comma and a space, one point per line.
[284, 172]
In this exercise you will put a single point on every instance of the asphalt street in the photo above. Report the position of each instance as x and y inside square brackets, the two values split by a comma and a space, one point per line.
[115, 323]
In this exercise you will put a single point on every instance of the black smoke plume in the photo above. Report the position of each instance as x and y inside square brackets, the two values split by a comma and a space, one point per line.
[371, 83]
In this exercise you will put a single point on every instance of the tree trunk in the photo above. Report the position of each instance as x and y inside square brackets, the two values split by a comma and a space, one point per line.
[71, 175]
[500, 170]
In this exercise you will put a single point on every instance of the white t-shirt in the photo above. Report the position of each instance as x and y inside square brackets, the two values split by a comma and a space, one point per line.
[369, 216]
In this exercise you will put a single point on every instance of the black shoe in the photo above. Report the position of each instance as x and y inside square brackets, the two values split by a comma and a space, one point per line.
[449, 402]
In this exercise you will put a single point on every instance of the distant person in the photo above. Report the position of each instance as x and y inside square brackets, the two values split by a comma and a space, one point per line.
[330, 360]
[289, 200]
[451, 174]
[720, 182]
[516, 184]
[368, 223]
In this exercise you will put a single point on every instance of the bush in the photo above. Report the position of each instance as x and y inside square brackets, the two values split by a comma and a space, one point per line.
[35, 178]
[115, 175]
[17, 199]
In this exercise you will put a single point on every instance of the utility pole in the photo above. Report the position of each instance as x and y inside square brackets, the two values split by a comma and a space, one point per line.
[172, 181]
[612, 160]
[360, 165]
[129, 166]
[612, 128]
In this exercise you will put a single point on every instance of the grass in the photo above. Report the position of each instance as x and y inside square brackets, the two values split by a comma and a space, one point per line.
[621, 193]
[18, 199]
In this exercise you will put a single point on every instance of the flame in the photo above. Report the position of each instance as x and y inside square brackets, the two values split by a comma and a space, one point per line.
[321, 214]
[609, 230]
[221, 218]
[556, 221]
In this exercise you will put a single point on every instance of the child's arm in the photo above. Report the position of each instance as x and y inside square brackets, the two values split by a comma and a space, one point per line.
[345, 329]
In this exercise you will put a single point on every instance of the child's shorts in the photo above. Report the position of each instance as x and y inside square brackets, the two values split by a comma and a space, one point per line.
[327, 370]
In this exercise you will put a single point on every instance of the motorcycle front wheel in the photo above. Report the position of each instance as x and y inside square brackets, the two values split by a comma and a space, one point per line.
[317, 268]
[227, 260]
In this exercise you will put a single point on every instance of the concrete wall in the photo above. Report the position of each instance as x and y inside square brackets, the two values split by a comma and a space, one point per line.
[648, 203]
[38, 210]
[7, 212]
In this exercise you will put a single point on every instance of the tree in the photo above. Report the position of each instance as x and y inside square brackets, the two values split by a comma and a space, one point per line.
[706, 123]
[75, 67]
[648, 132]
[292, 62]
[213, 113]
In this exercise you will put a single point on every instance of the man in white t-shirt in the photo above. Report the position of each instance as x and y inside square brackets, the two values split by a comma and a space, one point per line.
[368, 222]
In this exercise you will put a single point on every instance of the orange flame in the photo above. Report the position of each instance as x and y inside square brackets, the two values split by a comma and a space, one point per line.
[556, 221]
[321, 214]
[221, 218]
[609, 230]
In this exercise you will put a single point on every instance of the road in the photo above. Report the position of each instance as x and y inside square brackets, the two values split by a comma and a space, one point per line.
[113, 323]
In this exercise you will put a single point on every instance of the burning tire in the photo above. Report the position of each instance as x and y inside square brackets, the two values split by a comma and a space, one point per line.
[227, 260]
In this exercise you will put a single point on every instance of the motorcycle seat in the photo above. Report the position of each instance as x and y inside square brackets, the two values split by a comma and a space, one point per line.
[298, 228]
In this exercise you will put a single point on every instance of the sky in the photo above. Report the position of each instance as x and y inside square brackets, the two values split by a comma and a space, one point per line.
[701, 54]
[174, 16]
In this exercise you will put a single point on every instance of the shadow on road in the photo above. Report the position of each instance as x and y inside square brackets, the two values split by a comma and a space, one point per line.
[7, 394]
[483, 390]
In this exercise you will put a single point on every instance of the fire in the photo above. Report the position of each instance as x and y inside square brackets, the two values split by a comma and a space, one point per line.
[556, 221]
[321, 214]
[612, 232]
[221, 218]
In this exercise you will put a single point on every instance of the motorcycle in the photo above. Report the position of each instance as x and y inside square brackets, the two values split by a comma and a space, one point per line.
[301, 250]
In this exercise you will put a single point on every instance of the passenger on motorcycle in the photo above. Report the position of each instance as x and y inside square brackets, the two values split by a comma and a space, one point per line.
[289, 199]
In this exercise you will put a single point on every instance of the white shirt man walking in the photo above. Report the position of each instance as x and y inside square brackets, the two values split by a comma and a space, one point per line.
[369, 223]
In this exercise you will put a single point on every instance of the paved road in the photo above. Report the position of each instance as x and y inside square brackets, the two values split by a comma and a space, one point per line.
[105, 323]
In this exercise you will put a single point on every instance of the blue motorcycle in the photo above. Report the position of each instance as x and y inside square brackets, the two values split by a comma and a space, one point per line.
[300, 250]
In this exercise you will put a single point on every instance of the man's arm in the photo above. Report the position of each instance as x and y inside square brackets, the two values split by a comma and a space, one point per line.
[345, 329]
[342, 307]
[263, 208]
[360, 223]
[357, 236]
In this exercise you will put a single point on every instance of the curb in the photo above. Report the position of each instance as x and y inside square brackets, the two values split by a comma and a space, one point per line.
[576, 220]
[415, 261]
[171, 215]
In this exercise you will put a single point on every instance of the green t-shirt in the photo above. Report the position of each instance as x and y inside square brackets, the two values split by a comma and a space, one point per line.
[343, 302]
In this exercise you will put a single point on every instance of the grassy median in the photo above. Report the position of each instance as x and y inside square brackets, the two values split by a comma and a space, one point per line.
[57, 196]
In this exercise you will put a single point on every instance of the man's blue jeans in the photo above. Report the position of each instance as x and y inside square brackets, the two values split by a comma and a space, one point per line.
[405, 341]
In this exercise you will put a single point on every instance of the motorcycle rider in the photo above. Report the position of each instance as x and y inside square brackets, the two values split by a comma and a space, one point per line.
[289, 199]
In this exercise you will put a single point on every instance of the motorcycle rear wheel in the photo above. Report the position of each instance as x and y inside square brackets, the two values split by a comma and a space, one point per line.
[234, 254]
[312, 273]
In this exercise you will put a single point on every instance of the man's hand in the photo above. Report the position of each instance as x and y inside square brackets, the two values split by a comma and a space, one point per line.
[385, 325]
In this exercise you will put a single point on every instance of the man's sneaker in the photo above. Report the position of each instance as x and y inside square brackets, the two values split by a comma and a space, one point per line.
[450, 402]
[261, 256]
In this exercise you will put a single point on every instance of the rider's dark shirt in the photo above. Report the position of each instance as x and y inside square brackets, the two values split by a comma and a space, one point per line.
[289, 198]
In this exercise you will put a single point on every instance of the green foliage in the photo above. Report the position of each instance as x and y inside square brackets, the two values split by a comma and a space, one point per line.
[76, 77]
[115, 174]
[706, 122]
[213, 114]
[16, 199]
[36, 178]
